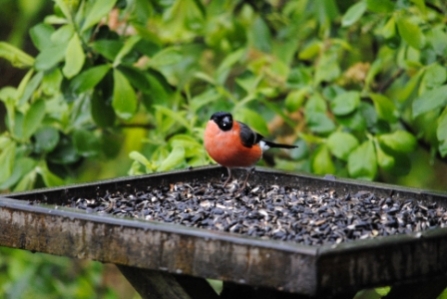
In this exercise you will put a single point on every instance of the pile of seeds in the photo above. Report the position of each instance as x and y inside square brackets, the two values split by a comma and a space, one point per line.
[272, 212]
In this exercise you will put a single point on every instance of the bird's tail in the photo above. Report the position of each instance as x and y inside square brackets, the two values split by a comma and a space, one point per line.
[272, 144]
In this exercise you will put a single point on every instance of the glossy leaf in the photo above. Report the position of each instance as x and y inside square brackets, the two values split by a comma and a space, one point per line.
[322, 162]
[353, 14]
[108, 48]
[319, 122]
[45, 139]
[174, 160]
[15, 56]
[124, 98]
[86, 143]
[99, 10]
[295, 99]
[434, 76]
[385, 108]
[430, 100]
[89, 78]
[41, 35]
[380, 6]
[7, 156]
[410, 32]
[362, 162]
[127, 47]
[49, 57]
[399, 141]
[74, 57]
[441, 133]
[102, 111]
[345, 103]
[49, 178]
[22, 166]
[253, 120]
[341, 144]
[165, 57]
[64, 153]
[31, 86]
[33, 118]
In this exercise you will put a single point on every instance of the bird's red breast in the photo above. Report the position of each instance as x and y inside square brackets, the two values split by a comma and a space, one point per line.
[226, 147]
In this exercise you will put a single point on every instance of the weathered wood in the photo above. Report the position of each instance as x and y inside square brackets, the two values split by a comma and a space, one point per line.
[154, 284]
[237, 291]
[293, 268]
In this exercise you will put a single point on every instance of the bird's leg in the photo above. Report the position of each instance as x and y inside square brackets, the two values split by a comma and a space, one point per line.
[229, 177]
[249, 171]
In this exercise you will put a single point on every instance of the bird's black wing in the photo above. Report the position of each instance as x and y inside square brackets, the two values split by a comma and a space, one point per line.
[248, 136]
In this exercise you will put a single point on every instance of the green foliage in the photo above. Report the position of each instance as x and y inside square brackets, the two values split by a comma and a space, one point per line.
[24, 275]
[105, 65]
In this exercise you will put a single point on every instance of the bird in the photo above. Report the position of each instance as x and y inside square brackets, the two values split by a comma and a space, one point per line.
[234, 144]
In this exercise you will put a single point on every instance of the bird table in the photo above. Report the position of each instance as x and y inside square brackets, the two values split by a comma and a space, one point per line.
[279, 247]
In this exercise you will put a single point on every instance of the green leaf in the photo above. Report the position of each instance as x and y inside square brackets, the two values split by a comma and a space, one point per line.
[7, 157]
[385, 160]
[62, 5]
[253, 120]
[310, 51]
[399, 141]
[380, 6]
[322, 162]
[22, 166]
[341, 144]
[165, 57]
[389, 29]
[99, 10]
[362, 162]
[124, 98]
[89, 78]
[15, 56]
[31, 86]
[319, 122]
[345, 103]
[74, 57]
[64, 153]
[127, 47]
[138, 157]
[410, 32]
[225, 66]
[420, 4]
[315, 104]
[437, 37]
[385, 108]
[108, 48]
[261, 36]
[435, 75]
[33, 118]
[430, 100]
[295, 99]
[46, 139]
[328, 69]
[102, 111]
[174, 160]
[41, 35]
[86, 143]
[441, 133]
[353, 14]
[137, 78]
[49, 178]
[49, 57]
